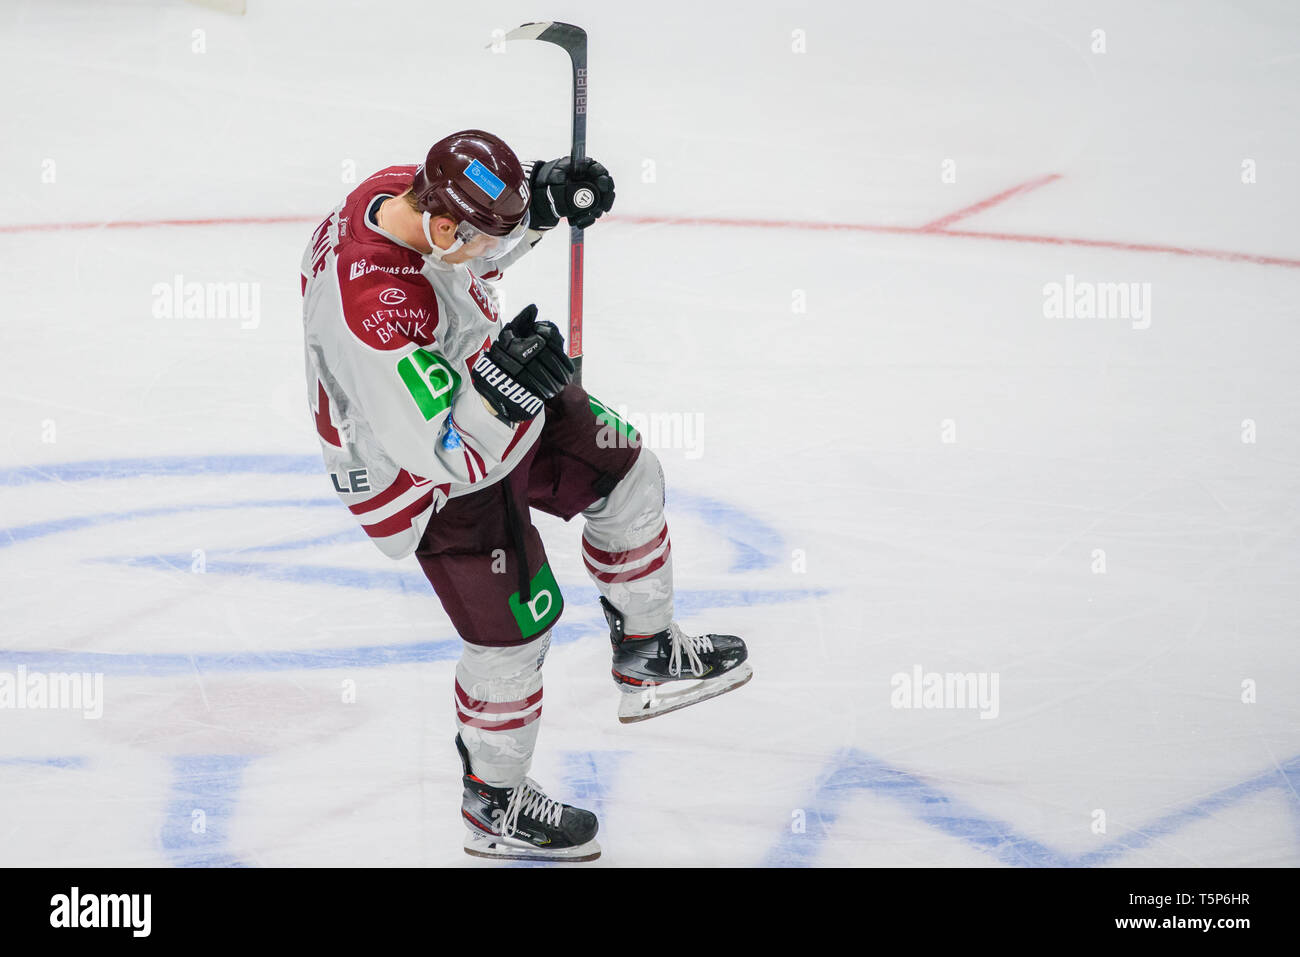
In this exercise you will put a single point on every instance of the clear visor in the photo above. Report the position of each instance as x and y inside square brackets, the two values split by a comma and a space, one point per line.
[482, 246]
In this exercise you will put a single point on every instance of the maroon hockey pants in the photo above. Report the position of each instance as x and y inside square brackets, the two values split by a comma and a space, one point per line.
[481, 552]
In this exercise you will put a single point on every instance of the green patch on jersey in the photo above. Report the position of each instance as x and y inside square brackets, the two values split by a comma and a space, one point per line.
[431, 381]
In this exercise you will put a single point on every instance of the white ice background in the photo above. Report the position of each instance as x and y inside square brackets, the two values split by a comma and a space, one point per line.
[919, 468]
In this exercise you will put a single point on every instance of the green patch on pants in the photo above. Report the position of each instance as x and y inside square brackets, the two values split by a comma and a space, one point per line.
[539, 612]
[610, 421]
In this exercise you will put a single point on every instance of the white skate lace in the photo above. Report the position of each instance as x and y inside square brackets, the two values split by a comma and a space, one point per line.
[528, 799]
[694, 645]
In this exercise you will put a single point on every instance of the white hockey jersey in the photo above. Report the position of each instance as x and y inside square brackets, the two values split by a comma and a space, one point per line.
[390, 336]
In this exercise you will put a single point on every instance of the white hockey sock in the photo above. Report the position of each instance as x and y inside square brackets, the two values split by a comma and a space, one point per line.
[498, 699]
[627, 550]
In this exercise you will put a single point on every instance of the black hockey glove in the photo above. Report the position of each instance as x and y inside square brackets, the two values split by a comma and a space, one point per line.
[579, 192]
[525, 366]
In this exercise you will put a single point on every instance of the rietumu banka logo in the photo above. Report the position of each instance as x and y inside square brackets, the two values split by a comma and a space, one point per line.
[75, 909]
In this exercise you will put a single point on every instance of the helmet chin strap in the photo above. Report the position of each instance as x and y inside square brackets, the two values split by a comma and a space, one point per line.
[437, 253]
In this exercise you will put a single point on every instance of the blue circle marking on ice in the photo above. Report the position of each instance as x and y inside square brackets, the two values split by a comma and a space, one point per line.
[756, 544]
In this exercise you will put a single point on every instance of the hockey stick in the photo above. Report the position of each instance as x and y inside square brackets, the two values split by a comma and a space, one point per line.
[574, 41]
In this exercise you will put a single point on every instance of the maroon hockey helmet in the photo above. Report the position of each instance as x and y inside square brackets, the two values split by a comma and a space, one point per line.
[474, 177]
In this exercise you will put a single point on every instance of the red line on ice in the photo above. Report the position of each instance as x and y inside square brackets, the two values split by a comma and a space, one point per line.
[1198, 252]
[150, 223]
[939, 224]
[1223, 255]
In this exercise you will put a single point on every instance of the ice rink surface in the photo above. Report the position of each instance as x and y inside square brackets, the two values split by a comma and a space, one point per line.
[834, 229]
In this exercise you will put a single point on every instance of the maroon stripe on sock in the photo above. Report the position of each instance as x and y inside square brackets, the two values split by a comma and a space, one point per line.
[496, 707]
[500, 725]
[623, 558]
[613, 578]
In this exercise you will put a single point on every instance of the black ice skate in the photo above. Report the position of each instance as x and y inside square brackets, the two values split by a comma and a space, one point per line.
[522, 823]
[671, 670]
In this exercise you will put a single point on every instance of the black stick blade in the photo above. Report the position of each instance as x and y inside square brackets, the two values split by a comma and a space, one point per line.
[566, 35]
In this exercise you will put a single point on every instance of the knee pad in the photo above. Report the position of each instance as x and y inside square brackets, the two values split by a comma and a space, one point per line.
[506, 673]
[636, 503]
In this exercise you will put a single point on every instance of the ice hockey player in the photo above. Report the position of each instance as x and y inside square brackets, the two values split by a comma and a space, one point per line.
[441, 427]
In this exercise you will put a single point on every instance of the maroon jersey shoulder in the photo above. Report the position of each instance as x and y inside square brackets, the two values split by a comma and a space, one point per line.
[387, 303]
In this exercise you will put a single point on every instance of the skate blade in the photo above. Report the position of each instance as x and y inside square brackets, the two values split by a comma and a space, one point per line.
[642, 707]
[498, 850]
